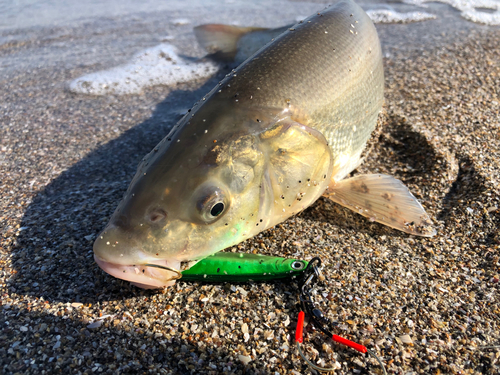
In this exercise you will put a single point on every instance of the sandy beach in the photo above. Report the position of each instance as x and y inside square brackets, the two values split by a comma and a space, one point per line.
[424, 305]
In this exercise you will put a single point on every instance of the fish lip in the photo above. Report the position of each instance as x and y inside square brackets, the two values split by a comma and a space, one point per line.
[142, 275]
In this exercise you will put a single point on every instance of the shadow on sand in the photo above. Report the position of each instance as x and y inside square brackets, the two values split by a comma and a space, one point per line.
[54, 260]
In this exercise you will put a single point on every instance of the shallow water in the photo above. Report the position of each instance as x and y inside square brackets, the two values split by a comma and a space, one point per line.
[113, 34]
[47, 13]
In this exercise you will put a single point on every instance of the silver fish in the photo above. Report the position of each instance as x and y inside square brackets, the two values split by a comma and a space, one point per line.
[277, 133]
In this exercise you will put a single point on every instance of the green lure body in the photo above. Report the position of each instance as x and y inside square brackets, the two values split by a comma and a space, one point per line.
[238, 267]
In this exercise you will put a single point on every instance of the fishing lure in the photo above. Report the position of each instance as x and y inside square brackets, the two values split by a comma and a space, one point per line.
[239, 267]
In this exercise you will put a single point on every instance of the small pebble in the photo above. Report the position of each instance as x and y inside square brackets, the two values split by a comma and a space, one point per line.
[406, 339]
[245, 359]
[95, 325]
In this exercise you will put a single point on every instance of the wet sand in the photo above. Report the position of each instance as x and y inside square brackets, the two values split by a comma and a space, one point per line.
[425, 306]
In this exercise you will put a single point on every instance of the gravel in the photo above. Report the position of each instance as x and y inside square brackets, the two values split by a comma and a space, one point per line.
[425, 306]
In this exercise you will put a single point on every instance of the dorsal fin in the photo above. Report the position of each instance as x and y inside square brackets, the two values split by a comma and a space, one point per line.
[221, 41]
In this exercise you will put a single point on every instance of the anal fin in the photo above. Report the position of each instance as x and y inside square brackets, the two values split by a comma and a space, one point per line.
[383, 199]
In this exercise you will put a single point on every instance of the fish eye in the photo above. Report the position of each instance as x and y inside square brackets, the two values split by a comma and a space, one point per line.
[211, 203]
[217, 209]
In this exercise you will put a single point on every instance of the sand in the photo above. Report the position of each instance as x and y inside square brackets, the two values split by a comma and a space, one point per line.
[425, 306]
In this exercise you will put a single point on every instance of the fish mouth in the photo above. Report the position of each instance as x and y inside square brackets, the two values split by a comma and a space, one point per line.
[153, 275]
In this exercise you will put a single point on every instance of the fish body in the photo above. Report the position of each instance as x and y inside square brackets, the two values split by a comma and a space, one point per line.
[278, 132]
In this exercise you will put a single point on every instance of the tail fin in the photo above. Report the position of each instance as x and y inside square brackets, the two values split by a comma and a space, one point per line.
[221, 41]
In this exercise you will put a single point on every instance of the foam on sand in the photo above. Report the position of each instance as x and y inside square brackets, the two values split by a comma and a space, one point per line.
[391, 16]
[472, 10]
[159, 65]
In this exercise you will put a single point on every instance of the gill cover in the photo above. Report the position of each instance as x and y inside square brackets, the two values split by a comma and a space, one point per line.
[299, 169]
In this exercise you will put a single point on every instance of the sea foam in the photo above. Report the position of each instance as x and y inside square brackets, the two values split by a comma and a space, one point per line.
[159, 65]
[470, 9]
[391, 16]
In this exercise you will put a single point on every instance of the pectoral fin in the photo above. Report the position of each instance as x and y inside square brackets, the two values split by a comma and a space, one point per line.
[384, 199]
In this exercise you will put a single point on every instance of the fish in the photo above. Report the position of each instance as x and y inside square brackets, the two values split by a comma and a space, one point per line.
[278, 132]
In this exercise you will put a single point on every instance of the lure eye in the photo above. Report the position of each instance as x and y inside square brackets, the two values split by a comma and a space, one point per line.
[298, 265]
[211, 203]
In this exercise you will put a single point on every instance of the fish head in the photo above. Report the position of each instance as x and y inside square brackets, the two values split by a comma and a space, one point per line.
[215, 181]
